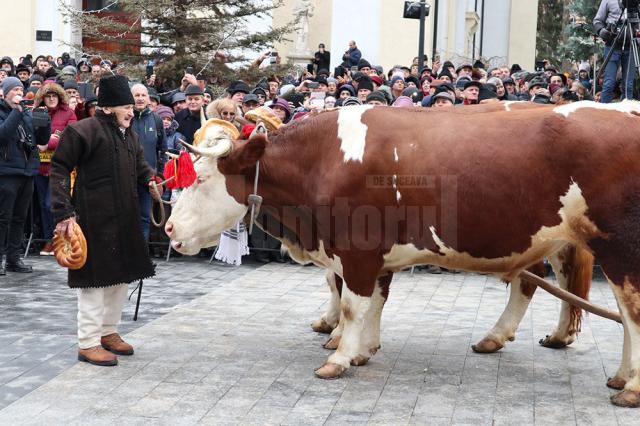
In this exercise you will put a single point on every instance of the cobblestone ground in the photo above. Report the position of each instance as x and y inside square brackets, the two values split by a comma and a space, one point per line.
[223, 345]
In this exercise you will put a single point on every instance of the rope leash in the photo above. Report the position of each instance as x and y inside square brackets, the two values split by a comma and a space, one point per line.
[160, 201]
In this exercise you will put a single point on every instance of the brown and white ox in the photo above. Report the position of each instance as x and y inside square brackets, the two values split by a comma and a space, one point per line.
[366, 192]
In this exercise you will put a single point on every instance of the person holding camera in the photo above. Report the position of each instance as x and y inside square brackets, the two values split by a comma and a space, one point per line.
[19, 135]
[604, 24]
[322, 58]
[352, 56]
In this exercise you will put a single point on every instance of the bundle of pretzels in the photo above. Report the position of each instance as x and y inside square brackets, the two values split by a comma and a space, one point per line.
[70, 252]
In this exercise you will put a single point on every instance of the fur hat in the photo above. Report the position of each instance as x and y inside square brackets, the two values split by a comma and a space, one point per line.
[50, 88]
[114, 91]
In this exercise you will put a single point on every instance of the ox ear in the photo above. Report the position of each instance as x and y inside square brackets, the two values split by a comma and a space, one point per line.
[244, 155]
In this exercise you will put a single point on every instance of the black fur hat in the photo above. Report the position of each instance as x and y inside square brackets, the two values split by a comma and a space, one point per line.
[114, 91]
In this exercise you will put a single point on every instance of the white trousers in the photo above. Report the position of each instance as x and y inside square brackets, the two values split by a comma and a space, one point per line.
[99, 313]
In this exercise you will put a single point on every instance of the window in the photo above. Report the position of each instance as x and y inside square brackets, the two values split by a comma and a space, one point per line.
[101, 4]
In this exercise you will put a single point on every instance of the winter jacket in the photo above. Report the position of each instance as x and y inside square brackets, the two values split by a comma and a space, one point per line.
[148, 126]
[110, 166]
[607, 16]
[61, 116]
[18, 139]
[173, 136]
[188, 124]
[352, 57]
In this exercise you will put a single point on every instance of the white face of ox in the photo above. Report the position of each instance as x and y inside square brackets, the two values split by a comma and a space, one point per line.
[205, 209]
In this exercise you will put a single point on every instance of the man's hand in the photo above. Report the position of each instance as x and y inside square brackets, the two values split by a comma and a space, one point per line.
[65, 227]
[187, 80]
[606, 35]
[155, 190]
[15, 102]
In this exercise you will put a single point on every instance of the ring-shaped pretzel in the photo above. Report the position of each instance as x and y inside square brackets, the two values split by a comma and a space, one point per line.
[70, 252]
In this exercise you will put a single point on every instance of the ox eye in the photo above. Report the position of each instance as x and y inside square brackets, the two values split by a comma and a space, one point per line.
[201, 179]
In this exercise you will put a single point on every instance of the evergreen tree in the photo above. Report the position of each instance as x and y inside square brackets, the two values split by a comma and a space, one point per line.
[175, 34]
[579, 44]
[550, 30]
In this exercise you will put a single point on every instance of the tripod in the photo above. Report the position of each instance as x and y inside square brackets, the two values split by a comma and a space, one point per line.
[630, 21]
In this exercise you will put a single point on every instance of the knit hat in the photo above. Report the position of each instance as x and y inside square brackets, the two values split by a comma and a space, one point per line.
[363, 63]
[377, 80]
[377, 96]
[394, 79]
[351, 100]
[114, 91]
[36, 77]
[259, 90]
[365, 83]
[70, 84]
[584, 66]
[69, 70]
[348, 88]
[473, 83]
[403, 102]
[165, 112]
[445, 73]
[10, 83]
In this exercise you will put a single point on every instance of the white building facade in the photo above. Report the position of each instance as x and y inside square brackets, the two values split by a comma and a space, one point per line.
[36, 27]
[501, 31]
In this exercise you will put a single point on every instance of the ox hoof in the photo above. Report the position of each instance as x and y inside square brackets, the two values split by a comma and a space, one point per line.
[332, 343]
[553, 343]
[626, 398]
[616, 383]
[373, 351]
[330, 371]
[487, 346]
[321, 326]
[359, 360]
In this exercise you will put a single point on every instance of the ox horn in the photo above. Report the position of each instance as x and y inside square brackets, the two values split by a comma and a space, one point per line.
[221, 149]
[203, 118]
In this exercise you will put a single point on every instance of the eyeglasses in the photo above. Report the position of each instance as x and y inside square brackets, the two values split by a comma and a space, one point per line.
[228, 114]
[51, 96]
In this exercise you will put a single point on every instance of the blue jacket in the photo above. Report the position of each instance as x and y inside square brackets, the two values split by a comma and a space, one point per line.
[148, 127]
[352, 57]
[19, 154]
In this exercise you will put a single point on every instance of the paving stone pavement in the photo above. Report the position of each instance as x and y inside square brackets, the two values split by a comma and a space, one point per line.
[222, 345]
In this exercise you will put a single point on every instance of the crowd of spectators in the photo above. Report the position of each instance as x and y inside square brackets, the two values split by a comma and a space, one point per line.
[67, 89]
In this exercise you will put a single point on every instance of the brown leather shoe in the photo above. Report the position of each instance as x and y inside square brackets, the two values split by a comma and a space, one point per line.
[114, 343]
[97, 356]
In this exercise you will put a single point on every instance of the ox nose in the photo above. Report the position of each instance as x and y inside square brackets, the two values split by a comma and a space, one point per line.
[168, 229]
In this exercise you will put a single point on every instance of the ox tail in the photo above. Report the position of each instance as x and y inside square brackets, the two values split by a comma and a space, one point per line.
[579, 271]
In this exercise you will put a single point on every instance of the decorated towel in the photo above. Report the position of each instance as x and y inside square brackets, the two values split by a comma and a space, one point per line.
[234, 243]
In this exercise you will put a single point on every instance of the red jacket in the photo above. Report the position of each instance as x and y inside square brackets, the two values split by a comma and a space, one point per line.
[61, 116]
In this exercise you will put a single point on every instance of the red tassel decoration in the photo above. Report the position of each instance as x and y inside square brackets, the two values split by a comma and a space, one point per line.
[170, 171]
[247, 129]
[186, 172]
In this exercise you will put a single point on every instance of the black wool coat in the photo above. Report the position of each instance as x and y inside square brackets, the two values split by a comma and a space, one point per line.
[109, 166]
